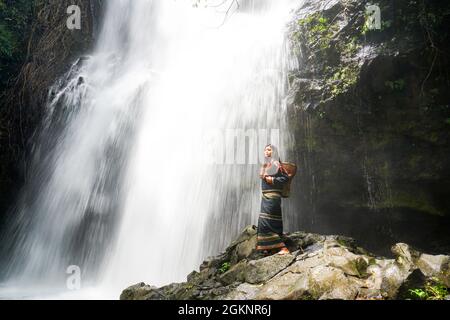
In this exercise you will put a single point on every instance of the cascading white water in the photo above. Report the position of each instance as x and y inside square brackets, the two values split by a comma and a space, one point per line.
[125, 190]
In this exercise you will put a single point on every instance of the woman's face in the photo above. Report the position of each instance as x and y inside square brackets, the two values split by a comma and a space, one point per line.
[268, 152]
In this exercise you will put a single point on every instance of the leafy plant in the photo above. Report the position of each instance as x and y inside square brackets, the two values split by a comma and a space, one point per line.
[418, 293]
[432, 290]
[396, 85]
[320, 30]
[343, 79]
[225, 267]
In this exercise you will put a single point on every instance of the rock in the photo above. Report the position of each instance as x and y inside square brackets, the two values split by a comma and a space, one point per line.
[318, 6]
[243, 246]
[323, 267]
[308, 261]
[289, 286]
[435, 266]
[386, 276]
[313, 248]
[375, 279]
[258, 271]
[244, 291]
[393, 275]
[406, 257]
[209, 284]
[300, 240]
[214, 262]
[198, 277]
[330, 283]
[355, 89]
[183, 291]
[206, 263]
[415, 280]
[246, 234]
[141, 291]
[347, 261]
[235, 274]
[221, 292]
[431, 265]
[193, 275]
[244, 249]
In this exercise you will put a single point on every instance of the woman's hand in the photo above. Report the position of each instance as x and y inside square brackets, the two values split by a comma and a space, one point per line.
[268, 179]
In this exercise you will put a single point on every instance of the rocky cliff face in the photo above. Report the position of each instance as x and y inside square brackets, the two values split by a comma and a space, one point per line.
[52, 47]
[320, 267]
[370, 115]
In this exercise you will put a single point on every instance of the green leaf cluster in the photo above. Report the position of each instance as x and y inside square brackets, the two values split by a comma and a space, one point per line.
[320, 30]
[15, 20]
[432, 290]
[225, 267]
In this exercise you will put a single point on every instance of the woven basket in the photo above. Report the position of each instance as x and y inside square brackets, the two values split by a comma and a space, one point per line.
[291, 169]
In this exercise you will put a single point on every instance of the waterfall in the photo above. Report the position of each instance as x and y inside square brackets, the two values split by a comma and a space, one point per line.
[132, 178]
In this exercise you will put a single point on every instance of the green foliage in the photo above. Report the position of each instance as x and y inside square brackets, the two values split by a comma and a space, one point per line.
[15, 19]
[307, 296]
[320, 31]
[225, 267]
[432, 290]
[343, 79]
[320, 36]
[419, 294]
[350, 48]
[321, 114]
[396, 85]
[366, 26]
[7, 42]
[342, 242]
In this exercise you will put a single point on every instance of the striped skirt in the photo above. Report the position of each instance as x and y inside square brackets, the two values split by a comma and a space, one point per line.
[270, 222]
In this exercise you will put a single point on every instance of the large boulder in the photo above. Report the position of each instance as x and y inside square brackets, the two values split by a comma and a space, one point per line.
[259, 271]
[235, 274]
[288, 286]
[340, 257]
[437, 266]
[321, 267]
[331, 283]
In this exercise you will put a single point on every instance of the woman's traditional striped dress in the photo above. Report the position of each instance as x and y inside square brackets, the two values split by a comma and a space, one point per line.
[270, 222]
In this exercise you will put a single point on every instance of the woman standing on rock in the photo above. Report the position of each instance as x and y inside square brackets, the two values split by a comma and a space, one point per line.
[270, 222]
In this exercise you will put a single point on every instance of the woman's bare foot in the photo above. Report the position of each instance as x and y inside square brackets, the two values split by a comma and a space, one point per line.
[284, 251]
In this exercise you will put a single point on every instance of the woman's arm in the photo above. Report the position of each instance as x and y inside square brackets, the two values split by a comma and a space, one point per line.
[282, 179]
[279, 179]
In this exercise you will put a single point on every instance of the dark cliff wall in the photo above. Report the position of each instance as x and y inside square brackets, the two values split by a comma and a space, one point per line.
[50, 49]
[370, 112]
